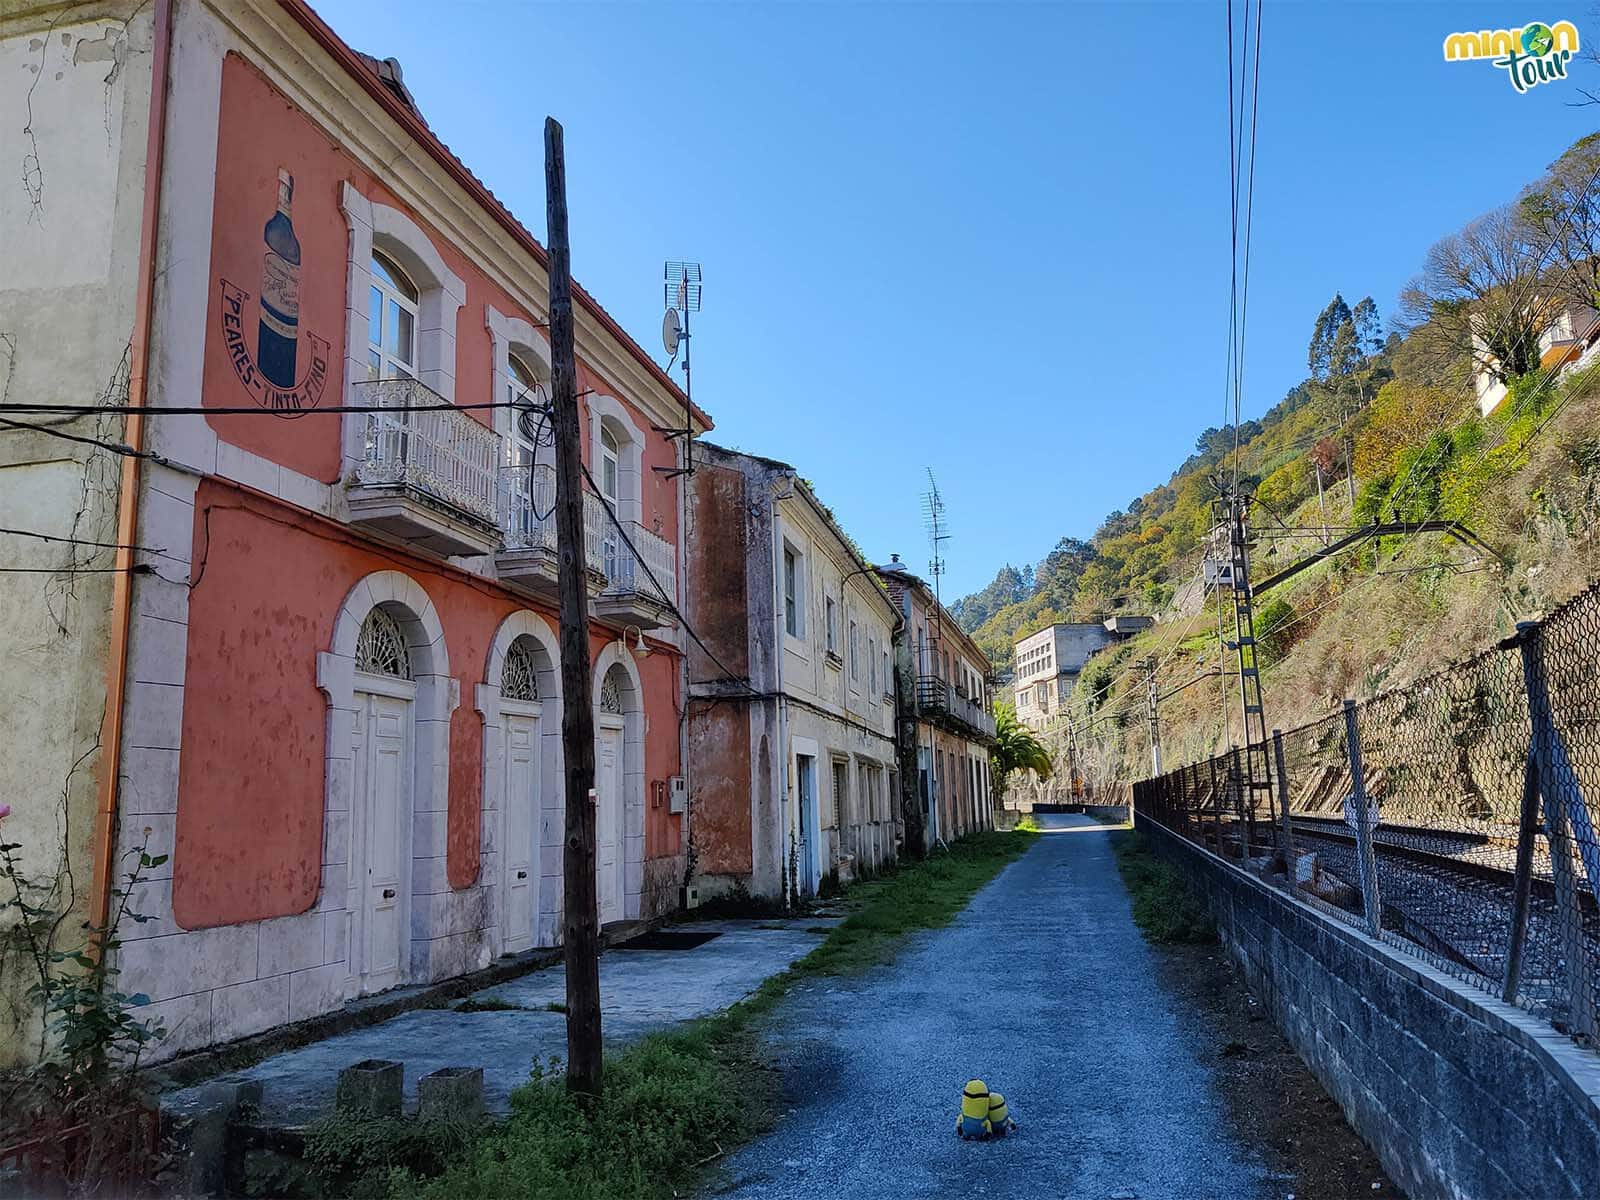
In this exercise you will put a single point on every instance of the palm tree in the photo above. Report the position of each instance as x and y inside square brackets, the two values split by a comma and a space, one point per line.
[1015, 749]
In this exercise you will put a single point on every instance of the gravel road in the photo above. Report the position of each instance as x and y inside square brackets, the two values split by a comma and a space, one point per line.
[1044, 988]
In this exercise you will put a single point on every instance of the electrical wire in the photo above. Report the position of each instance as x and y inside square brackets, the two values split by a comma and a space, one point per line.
[49, 537]
[114, 447]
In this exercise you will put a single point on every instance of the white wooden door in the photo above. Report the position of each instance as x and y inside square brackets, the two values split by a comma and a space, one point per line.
[383, 793]
[608, 823]
[810, 850]
[521, 799]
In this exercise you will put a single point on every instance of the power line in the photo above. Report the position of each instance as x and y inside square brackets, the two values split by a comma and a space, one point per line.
[48, 537]
[114, 447]
[255, 410]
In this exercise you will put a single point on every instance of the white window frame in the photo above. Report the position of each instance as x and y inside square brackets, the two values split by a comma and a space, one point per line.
[872, 666]
[608, 413]
[831, 614]
[392, 300]
[855, 653]
[608, 464]
[793, 566]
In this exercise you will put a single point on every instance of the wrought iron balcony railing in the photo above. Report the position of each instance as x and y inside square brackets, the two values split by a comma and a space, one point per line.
[444, 453]
[610, 554]
[528, 507]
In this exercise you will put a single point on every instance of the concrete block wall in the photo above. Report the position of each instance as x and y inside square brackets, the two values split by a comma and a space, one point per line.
[1459, 1094]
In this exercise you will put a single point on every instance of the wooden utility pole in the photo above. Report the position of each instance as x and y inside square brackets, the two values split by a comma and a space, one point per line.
[582, 927]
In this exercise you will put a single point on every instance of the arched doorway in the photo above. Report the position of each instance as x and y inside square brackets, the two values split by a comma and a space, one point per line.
[390, 694]
[520, 702]
[619, 785]
[609, 759]
[382, 754]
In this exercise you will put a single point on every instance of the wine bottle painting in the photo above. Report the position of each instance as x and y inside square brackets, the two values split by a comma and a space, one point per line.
[278, 342]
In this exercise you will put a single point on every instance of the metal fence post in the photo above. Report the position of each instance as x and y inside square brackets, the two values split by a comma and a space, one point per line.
[1216, 811]
[1286, 830]
[1370, 903]
[1562, 811]
[1242, 824]
[1522, 887]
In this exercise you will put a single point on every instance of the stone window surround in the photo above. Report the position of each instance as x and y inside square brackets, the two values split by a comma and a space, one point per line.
[441, 297]
[513, 335]
[609, 412]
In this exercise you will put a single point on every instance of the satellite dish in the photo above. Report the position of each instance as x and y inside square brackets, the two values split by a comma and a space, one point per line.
[670, 329]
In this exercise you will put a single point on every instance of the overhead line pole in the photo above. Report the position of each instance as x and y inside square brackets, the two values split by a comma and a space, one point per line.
[581, 940]
[1152, 698]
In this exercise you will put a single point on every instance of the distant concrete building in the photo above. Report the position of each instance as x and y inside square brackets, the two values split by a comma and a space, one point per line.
[1048, 663]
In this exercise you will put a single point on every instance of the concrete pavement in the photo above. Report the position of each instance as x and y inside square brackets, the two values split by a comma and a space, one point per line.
[1044, 988]
[640, 991]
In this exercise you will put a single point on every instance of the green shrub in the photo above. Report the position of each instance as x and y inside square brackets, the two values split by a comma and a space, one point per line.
[1165, 908]
[1273, 633]
[361, 1157]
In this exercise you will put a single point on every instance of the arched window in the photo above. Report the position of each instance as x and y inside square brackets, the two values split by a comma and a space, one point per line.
[381, 647]
[522, 391]
[611, 692]
[391, 322]
[519, 677]
[610, 457]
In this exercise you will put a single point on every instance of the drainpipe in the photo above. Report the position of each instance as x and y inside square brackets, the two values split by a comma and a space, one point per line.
[105, 822]
[686, 831]
[791, 887]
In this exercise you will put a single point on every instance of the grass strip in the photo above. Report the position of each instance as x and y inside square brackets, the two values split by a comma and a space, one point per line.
[1165, 908]
[672, 1102]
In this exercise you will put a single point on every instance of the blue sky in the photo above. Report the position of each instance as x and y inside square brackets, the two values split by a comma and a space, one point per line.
[990, 239]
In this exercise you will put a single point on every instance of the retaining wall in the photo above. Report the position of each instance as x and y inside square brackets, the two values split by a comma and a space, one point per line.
[1459, 1094]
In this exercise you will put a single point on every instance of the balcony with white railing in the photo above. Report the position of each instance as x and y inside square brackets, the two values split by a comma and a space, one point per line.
[639, 567]
[528, 528]
[430, 478]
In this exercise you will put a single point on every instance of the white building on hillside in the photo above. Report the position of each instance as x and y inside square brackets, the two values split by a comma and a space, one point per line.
[1048, 663]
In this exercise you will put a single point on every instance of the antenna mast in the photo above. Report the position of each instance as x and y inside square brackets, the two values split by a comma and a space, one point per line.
[681, 283]
[933, 520]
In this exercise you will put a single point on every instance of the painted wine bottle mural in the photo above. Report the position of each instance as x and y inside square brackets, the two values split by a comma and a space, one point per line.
[279, 338]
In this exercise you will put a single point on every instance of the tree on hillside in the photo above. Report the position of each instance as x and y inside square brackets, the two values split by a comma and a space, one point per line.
[1015, 749]
[1321, 358]
[1057, 577]
[1009, 586]
[1368, 329]
[1404, 416]
[1477, 288]
[1344, 343]
[1324, 455]
[1564, 206]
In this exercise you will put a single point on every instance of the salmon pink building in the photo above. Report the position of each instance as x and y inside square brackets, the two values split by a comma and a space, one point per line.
[340, 714]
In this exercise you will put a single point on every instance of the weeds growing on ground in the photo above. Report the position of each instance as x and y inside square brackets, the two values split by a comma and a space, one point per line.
[1165, 907]
[674, 1101]
[485, 1004]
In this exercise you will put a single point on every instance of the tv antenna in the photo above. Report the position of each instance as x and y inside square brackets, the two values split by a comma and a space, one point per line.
[681, 286]
[937, 525]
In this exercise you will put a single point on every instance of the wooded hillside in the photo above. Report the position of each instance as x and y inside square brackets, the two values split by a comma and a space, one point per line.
[1384, 428]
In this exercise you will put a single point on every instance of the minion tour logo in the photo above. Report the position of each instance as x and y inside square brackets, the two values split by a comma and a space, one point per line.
[1537, 53]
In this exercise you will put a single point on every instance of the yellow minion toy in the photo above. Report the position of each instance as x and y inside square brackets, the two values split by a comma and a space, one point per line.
[973, 1123]
[1000, 1122]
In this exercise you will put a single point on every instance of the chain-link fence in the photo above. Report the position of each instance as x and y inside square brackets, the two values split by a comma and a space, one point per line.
[1454, 817]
